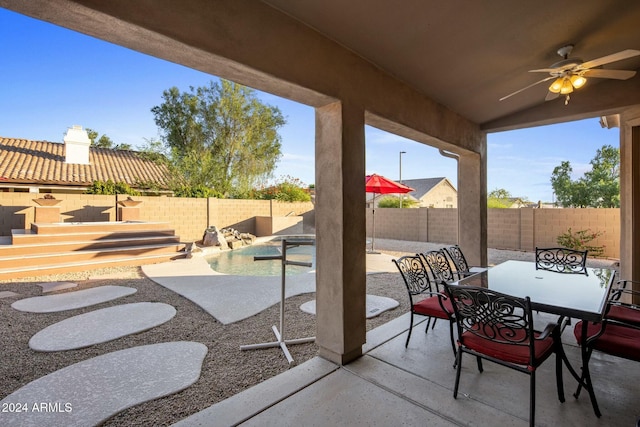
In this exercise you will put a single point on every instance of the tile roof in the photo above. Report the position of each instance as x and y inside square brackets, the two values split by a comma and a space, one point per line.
[41, 162]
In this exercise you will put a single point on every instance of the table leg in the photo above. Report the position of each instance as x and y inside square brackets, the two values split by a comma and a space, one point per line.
[585, 379]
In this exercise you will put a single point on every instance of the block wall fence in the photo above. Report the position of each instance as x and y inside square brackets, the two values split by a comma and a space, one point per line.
[189, 217]
[514, 229]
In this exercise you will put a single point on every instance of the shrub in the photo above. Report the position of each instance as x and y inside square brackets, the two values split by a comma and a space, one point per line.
[110, 187]
[196, 191]
[289, 190]
[394, 202]
[580, 241]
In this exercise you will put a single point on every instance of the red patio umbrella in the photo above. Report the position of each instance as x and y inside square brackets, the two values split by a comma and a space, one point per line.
[378, 184]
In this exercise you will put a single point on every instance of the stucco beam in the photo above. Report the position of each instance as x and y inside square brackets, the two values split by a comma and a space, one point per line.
[605, 98]
[474, 140]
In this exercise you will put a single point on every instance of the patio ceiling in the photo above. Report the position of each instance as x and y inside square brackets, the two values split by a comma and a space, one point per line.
[466, 55]
[463, 54]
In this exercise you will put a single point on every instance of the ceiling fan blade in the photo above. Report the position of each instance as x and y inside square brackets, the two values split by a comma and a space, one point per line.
[551, 95]
[526, 87]
[610, 74]
[629, 53]
[546, 70]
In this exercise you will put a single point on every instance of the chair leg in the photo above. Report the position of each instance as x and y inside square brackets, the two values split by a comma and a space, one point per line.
[409, 334]
[479, 362]
[453, 343]
[559, 380]
[532, 399]
[434, 323]
[458, 369]
[426, 330]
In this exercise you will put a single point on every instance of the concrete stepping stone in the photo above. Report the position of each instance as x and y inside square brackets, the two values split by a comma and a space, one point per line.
[8, 294]
[72, 300]
[90, 392]
[375, 305]
[56, 286]
[102, 325]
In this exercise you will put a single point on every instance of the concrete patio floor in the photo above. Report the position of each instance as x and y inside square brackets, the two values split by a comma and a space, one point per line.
[394, 385]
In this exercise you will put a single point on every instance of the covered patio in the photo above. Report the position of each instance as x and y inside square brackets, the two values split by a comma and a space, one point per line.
[425, 70]
[394, 385]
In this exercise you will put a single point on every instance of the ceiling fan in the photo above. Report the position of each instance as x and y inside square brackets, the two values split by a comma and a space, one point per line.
[572, 73]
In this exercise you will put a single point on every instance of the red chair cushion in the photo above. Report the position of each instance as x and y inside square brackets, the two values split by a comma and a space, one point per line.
[518, 354]
[624, 314]
[431, 307]
[616, 340]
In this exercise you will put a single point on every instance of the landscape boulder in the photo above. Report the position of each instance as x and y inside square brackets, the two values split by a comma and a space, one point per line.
[213, 237]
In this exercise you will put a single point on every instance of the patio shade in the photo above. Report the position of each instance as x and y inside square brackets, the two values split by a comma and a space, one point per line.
[378, 184]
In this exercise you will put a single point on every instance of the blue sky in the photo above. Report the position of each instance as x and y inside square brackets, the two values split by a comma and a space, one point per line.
[53, 78]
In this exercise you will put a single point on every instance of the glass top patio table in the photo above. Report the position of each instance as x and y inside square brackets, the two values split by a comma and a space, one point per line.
[574, 295]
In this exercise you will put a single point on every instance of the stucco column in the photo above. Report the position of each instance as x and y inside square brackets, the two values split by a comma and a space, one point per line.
[630, 195]
[340, 232]
[472, 205]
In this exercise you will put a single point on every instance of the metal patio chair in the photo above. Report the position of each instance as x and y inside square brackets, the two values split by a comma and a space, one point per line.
[435, 305]
[625, 312]
[460, 261]
[611, 336]
[499, 328]
[561, 260]
[440, 266]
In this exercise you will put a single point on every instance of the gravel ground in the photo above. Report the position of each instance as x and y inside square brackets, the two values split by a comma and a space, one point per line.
[226, 369]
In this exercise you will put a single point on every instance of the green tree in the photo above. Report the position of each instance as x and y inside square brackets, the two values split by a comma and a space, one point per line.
[598, 188]
[104, 141]
[498, 199]
[220, 136]
[604, 178]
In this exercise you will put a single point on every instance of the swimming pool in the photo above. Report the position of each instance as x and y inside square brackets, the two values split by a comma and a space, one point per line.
[240, 261]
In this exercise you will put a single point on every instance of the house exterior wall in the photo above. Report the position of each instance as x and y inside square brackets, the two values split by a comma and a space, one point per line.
[441, 196]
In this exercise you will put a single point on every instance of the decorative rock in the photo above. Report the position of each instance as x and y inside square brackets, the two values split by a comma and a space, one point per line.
[192, 248]
[213, 237]
[90, 392]
[56, 286]
[71, 300]
[235, 244]
[8, 294]
[247, 238]
[102, 325]
[375, 305]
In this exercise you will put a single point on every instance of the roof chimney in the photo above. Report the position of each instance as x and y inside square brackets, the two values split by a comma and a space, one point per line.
[76, 144]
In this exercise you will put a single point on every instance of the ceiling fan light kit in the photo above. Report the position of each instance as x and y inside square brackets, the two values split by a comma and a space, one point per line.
[578, 80]
[571, 73]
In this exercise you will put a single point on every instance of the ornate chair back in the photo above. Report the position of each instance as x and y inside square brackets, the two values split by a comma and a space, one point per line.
[561, 260]
[440, 267]
[456, 255]
[415, 275]
[435, 305]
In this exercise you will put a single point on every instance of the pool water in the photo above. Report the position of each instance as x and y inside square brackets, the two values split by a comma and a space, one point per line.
[240, 261]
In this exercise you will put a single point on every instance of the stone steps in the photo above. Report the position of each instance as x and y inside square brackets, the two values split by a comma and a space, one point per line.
[66, 247]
